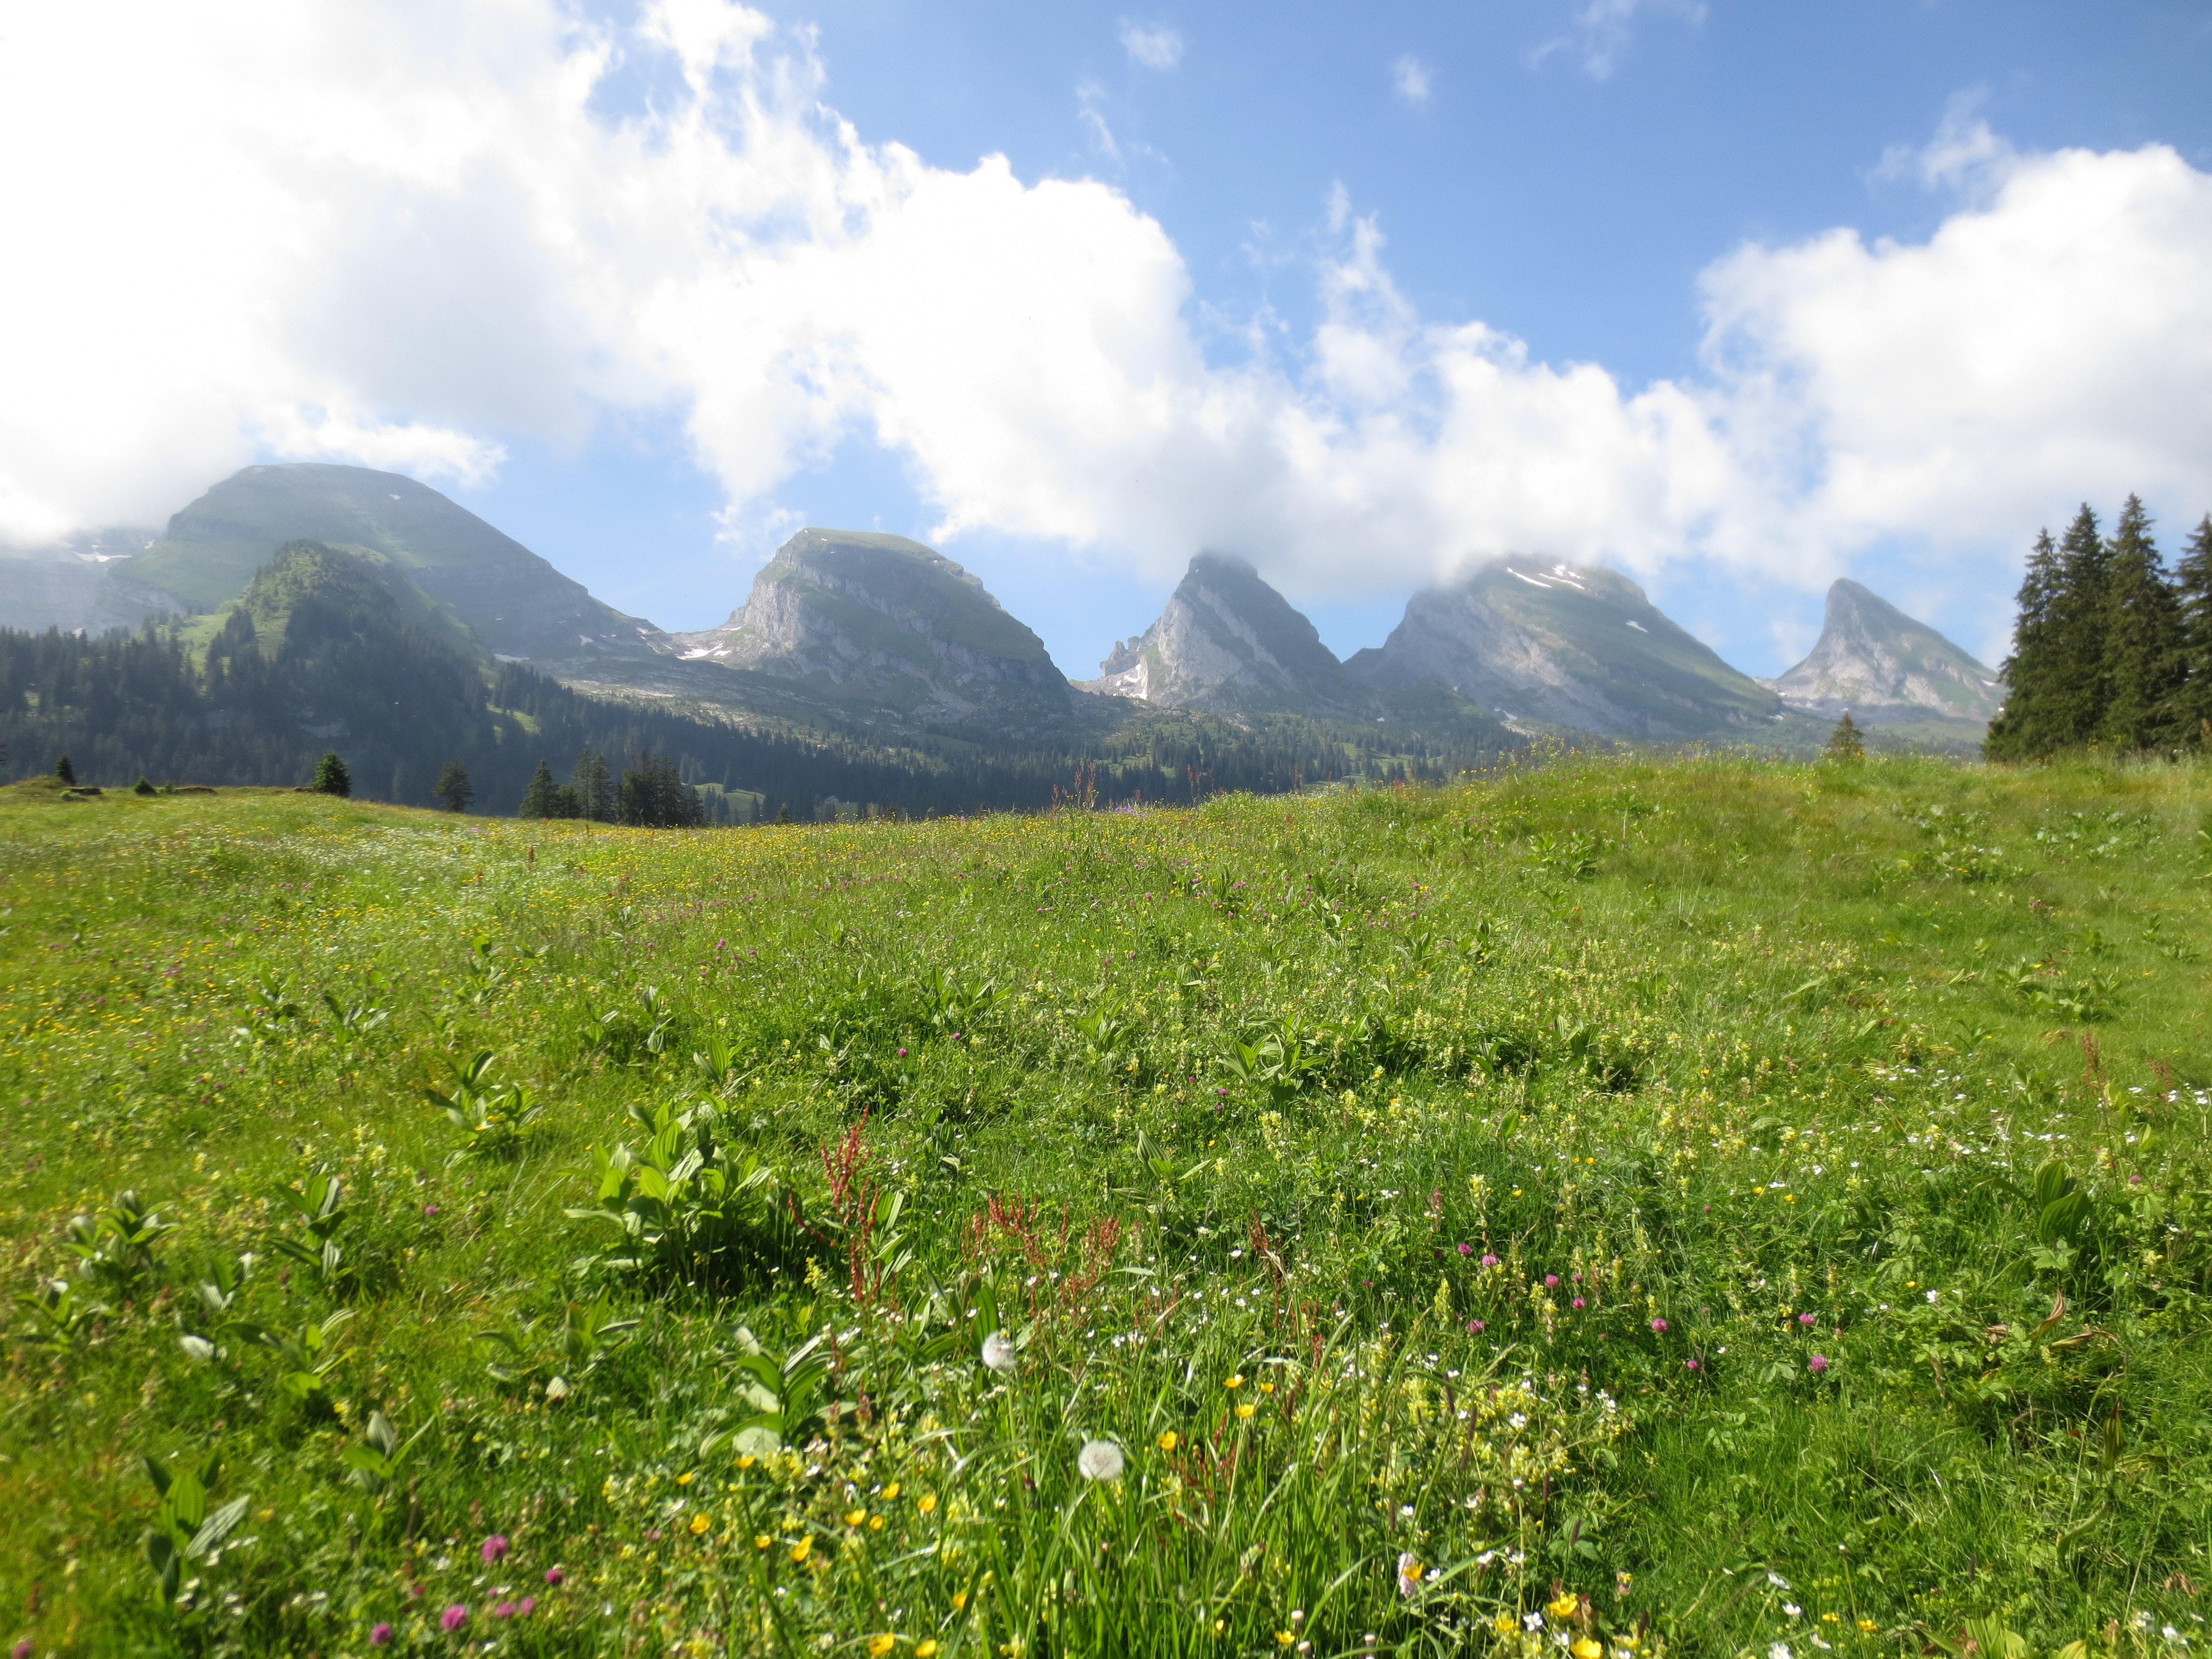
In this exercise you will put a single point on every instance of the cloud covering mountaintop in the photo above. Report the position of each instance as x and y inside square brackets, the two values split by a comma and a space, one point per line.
[407, 236]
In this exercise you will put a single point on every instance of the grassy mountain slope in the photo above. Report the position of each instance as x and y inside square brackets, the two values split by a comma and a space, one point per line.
[517, 604]
[1766, 1203]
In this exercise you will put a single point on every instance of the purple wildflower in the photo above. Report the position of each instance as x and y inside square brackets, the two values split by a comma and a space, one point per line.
[429, 1209]
[1474, 1326]
[1817, 1364]
[454, 1617]
[527, 1605]
[1467, 1249]
[380, 1636]
[1660, 1326]
[1689, 1364]
[1580, 1304]
[494, 1547]
[554, 1575]
[1489, 1260]
[504, 1610]
[1805, 1319]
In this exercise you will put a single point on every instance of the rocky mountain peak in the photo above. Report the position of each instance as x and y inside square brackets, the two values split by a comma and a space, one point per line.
[879, 622]
[1885, 666]
[1226, 641]
[1542, 642]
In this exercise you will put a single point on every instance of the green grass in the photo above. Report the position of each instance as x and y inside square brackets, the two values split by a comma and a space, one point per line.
[1902, 1065]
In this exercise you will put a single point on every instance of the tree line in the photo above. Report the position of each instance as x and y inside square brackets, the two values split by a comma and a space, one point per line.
[2112, 648]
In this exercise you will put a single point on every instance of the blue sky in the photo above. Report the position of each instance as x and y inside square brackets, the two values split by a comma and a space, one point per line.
[1318, 294]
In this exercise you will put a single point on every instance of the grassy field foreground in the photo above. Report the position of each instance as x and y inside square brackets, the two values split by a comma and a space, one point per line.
[1708, 1207]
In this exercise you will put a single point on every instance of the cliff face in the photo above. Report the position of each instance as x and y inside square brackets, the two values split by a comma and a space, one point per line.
[1886, 667]
[876, 622]
[1551, 644]
[1227, 642]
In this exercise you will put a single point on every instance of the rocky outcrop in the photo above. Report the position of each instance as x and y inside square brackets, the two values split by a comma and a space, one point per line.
[1227, 642]
[1546, 644]
[1886, 668]
[80, 584]
[880, 624]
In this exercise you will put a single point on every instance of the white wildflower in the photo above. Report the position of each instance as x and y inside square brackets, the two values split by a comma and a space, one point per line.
[999, 1354]
[1099, 1460]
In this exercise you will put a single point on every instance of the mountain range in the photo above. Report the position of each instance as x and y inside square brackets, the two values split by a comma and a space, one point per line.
[849, 637]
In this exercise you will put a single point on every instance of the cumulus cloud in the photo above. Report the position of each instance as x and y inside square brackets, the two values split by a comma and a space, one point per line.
[1156, 48]
[1412, 79]
[401, 235]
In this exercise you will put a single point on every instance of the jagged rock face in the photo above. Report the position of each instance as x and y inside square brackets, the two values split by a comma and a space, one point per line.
[880, 622]
[1226, 641]
[78, 584]
[517, 605]
[1884, 666]
[1551, 644]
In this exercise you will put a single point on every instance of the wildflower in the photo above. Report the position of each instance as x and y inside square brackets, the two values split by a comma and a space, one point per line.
[1659, 1326]
[1505, 1624]
[1237, 1381]
[554, 1575]
[959, 1600]
[1579, 1305]
[747, 1461]
[699, 1524]
[494, 1547]
[1586, 1648]
[892, 1492]
[1532, 1621]
[1689, 1364]
[1791, 1608]
[429, 1209]
[379, 1635]
[1934, 1295]
[853, 1517]
[1568, 1605]
[1266, 1388]
[1867, 1625]
[1467, 1249]
[761, 1540]
[1284, 1638]
[1247, 1409]
[1409, 1573]
[686, 1478]
[1779, 1651]
[875, 1524]
[504, 1610]
[454, 1617]
[801, 1550]
[1551, 1281]
[1101, 1459]
[1807, 1319]
[999, 1354]
[1817, 1363]
[927, 1502]
[1168, 1441]
[880, 1644]
[925, 1649]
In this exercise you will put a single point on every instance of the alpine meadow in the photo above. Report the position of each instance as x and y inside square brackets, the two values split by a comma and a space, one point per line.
[1623, 1204]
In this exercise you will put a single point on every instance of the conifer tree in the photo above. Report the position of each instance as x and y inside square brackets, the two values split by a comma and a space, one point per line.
[66, 772]
[2143, 662]
[2193, 592]
[454, 788]
[331, 777]
[1846, 742]
[2080, 617]
[2028, 724]
[542, 799]
[596, 796]
[143, 787]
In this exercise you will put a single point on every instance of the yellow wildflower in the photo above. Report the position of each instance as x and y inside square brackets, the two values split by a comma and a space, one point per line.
[879, 1645]
[1169, 1441]
[959, 1600]
[853, 1517]
[1566, 1606]
[1506, 1624]
[684, 1478]
[1237, 1381]
[1246, 1409]
[892, 1492]
[875, 1524]
[761, 1540]
[747, 1461]
[925, 1649]
[802, 1549]
[699, 1524]
[1867, 1625]
[927, 1502]
[1585, 1648]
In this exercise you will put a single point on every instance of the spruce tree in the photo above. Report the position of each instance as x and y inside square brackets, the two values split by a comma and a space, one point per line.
[64, 772]
[331, 777]
[2193, 587]
[454, 788]
[596, 796]
[542, 799]
[2081, 618]
[2026, 725]
[2144, 660]
[1846, 742]
[143, 787]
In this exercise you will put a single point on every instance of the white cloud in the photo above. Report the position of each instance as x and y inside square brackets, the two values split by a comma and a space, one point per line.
[1156, 48]
[401, 236]
[1412, 79]
[1599, 32]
